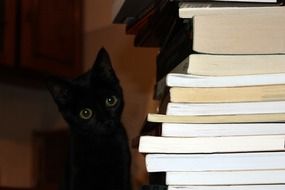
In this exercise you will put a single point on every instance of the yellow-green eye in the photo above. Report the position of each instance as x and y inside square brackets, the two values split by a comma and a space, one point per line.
[111, 101]
[86, 113]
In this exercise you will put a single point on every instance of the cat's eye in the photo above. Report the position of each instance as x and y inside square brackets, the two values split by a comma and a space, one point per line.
[86, 113]
[111, 101]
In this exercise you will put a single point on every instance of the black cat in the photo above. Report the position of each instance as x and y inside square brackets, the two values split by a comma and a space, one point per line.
[92, 105]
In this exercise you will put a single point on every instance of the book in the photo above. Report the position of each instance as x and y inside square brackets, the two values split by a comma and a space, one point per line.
[233, 94]
[216, 187]
[225, 108]
[230, 34]
[158, 144]
[156, 28]
[215, 162]
[191, 9]
[228, 65]
[187, 80]
[228, 187]
[242, 118]
[221, 129]
[176, 47]
[226, 177]
[233, 1]
[220, 65]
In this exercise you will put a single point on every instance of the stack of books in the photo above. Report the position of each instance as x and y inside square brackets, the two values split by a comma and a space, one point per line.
[223, 127]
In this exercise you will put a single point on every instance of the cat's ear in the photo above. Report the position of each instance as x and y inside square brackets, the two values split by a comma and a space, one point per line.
[60, 90]
[102, 70]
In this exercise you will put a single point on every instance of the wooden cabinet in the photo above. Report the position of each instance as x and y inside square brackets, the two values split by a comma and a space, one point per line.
[7, 31]
[48, 37]
[51, 36]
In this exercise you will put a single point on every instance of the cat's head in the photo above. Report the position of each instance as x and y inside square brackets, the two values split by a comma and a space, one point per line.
[93, 102]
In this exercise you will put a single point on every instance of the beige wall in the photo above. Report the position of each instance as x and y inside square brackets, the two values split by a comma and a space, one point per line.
[22, 109]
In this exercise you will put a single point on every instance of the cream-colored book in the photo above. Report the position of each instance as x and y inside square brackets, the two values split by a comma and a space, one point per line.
[226, 65]
[233, 94]
[242, 118]
[158, 144]
[191, 9]
[229, 65]
[256, 33]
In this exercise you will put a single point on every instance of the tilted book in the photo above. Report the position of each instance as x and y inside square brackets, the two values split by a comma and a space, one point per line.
[225, 65]
[226, 177]
[157, 144]
[215, 162]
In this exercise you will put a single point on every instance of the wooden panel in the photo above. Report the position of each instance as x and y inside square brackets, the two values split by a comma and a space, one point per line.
[50, 157]
[51, 36]
[7, 32]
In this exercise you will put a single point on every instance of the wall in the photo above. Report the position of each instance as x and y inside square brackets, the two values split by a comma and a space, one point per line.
[22, 110]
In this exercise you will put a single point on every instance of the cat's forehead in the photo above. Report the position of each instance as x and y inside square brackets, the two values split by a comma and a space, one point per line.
[90, 89]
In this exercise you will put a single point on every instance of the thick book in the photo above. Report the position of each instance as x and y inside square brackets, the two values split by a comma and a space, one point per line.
[225, 108]
[221, 129]
[256, 33]
[242, 118]
[191, 9]
[226, 177]
[188, 80]
[234, 94]
[215, 162]
[230, 65]
[158, 144]
[227, 187]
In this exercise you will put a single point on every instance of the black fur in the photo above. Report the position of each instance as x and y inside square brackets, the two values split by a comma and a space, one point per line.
[100, 157]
